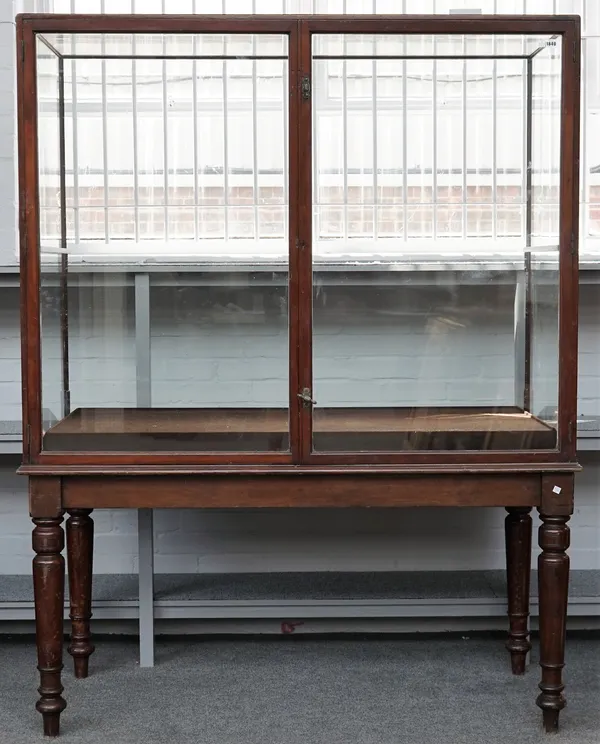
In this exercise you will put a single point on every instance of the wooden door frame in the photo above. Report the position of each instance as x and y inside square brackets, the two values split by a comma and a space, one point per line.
[568, 28]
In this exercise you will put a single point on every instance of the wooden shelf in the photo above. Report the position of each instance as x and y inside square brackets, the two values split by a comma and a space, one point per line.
[266, 429]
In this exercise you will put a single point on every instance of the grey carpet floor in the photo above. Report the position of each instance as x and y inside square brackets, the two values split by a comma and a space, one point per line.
[447, 689]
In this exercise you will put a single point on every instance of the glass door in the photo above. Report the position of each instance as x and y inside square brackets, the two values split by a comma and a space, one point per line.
[167, 268]
[422, 236]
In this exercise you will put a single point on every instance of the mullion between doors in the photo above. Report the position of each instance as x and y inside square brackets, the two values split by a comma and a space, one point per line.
[303, 242]
[294, 252]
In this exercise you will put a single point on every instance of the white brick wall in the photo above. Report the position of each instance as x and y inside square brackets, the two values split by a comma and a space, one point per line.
[373, 359]
[205, 359]
[10, 355]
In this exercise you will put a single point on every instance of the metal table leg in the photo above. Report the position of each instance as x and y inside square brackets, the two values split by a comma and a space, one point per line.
[146, 586]
[145, 516]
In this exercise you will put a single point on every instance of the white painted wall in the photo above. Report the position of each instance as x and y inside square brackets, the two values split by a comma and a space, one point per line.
[8, 130]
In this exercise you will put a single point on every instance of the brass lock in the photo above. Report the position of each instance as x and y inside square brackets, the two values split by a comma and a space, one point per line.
[306, 398]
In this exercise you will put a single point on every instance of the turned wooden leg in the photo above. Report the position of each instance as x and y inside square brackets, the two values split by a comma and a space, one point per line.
[80, 549]
[49, 594]
[518, 575]
[553, 568]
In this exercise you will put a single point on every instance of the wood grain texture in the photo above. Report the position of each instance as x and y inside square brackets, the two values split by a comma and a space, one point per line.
[84, 421]
[45, 497]
[267, 429]
[553, 578]
[296, 248]
[111, 464]
[439, 24]
[224, 491]
[49, 593]
[305, 239]
[29, 227]
[125, 23]
[558, 494]
[569, 237]
[80, 554]
[518, 575]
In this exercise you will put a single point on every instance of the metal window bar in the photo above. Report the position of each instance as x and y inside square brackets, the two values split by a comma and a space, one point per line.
[526, 175]
[428, 57]
[135, 154]
[404, 139]
[345, 129]
[285, 171]
[375, 132]
[465, 214]
[255, 133]
[173, 57]
[316, 217]
[526, 166]
[103, 86]
[434, 129]
[225, 141]
[528, 153]
[495, 134]
[76, 226]
[165, 99]
[195, 130]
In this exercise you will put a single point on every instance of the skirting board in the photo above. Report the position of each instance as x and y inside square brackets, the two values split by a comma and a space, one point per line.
[324, 626]
[291, 602]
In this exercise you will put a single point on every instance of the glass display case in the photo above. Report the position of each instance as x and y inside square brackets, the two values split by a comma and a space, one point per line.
[287, 244]
[258, 248]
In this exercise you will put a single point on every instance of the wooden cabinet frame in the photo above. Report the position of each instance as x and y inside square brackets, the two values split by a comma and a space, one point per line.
[299, 31]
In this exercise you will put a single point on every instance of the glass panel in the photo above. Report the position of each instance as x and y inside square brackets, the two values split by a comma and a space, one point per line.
[51, 258]
[176, 46]
[170, 332]
[425, 45]
[425, 284]
[545, 227]
[590, 165]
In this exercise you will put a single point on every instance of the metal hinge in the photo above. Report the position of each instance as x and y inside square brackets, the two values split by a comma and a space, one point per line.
[22, 50]
[574, 51]
[305, 88]
[573, 245]
[306, 398]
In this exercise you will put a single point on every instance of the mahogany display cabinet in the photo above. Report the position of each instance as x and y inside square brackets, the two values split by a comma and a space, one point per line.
[283, 261]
